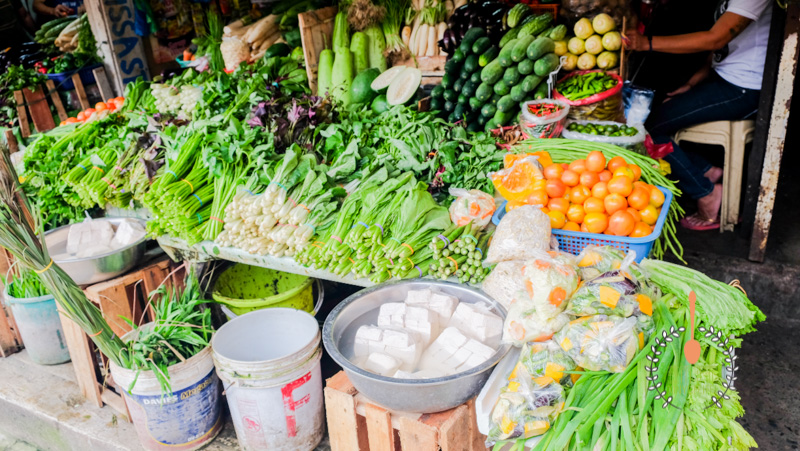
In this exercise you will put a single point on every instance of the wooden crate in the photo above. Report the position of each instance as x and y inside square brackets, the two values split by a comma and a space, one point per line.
[355, 424]
[432, 68]
[10, 340]
[125, 296]
[316, 32]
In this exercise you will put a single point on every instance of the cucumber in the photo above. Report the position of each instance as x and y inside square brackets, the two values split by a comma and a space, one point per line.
[470, 65]
[57, 29]
[458, 85]
[452, 117]
[530, 82]
[469, 38]
[484, 92]
[452, 67]
[503, 117]
[325, 69]
[525, 66]
[469, 88]
[495, 98]
[506, 103]
[488, 110]
[358, 45]
[492, 72]
[475, 77]
[508, 37]
[459, 111]
[281, 49]
[517, 93]
[465, 75]
[404, 86]
[491, 125]
[437, 92]
[518, 53]
[481, 45]
[546, 64]
[517, 14]
[511, 76]
[447, 81]
[458, 56]
[474, 126]
[501, 88]
[536, 26]
[475, 103]
[450, 95]
[385, 79]
[488, 56]
[437, 104]
[505, 54]
[540, 92]
[540, 47]
[462, 99]
[449, 105]
[482, 120]
[558, 33]
[545, 33]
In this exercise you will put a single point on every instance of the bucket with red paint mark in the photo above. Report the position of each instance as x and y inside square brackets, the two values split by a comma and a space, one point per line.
[269, 364]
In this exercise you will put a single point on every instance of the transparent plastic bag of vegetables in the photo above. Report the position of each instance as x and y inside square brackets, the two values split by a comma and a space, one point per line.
[596, 260]
[547, 359]
[550, 280]
[523, 325]
[471, 206]
[505, 283]
[615, 292]
[526, 407]
[519, 235]
[601, 342]
[517, 182]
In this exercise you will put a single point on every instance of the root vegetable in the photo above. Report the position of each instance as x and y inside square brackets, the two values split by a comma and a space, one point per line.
[431, 49]
[406, 35]
[422, 39]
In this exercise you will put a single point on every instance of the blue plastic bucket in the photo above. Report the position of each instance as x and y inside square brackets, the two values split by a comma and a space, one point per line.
[40, 328]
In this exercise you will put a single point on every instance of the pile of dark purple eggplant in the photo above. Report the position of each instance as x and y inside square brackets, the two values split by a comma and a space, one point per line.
[489, 15]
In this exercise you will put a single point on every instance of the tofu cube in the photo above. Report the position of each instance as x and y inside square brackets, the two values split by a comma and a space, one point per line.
[477, 323]
[423, 322]
[442, 349]
[444, 305]
[368, 340]
[392, 314]
[479, 349]
[128, 232]
[94, 234]
[400, 374]
[382, 364]
[418, 297]
[403, 346]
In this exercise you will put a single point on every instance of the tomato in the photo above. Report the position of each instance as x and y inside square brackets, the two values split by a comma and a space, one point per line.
[623, 171]
[100, 106]
[570, 177]
[656, 197]
[600, 190]
[571, 226]
[583, 227]
[119, 99]
[579, 194]
[635, 213]
[558, 204]
[639, 198]
[565, 166]
[596, 222]
[595, 161]
[72, 120]
[615, 163]
[589, 179]
[557, 219]
[555, 188]
[614, 203]
[637, 171]
[553, 172]
[641, 230]
[538, 197]
[649, 215]
[81, 117]
[539, 184]
[643, 185]
[62, 123]
[545, 210]
[620, 185]
[575, 213]
[594, 205]
[605, 175]
[578, 166]
[621, 223]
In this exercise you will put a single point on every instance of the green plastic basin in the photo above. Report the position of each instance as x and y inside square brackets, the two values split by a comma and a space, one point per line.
[244, 288]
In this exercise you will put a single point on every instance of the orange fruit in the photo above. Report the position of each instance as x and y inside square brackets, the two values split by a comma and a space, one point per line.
[539, 197]
[600, 190]
[119, 99]
[555, 188]
[570, 178]
[605, 175]
[558, 204]
[572, 227]
[624, 171]
[614, 203]
[639, 198]
[579, 194]
[615, 163]
[575, 213]
[565, 166]
[621, 223]
[637, 171]
[635, 213]
[553, 172]
[620, 185]
[596, 222]
[545, 210]
[641, 230]
[594, 205]
[72, 120]
[589, 179]
[656, 197]
[583, 226]
[516, 182]
[595, 161]
[62, 123]
[557, 219]
[81, 117]
[578, 166]
[649, 215]
[100, 106]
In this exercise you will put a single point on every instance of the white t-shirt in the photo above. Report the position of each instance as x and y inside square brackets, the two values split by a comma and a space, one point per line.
[741, 62]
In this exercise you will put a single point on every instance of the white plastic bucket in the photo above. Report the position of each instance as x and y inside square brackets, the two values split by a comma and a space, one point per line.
[188, 418]
[269, 364]
[40, 328]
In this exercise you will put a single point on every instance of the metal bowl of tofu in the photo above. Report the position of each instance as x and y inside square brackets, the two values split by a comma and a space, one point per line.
[93, 256]
[417, 346]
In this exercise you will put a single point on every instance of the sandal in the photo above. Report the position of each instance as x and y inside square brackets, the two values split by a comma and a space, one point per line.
[699, 223]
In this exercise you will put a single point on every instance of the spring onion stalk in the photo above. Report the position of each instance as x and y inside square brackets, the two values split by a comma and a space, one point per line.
[391, 25]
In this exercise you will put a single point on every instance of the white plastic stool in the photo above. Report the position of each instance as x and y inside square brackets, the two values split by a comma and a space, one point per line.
[732, 136]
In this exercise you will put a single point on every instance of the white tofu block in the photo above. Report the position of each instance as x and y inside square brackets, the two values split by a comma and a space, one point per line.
[479, 349]
[392, 314]
[367, 339]
[382, 364]
[428, 374]
[477, 323]
[452, 338]
[404, 346]
[89, 233]
[92, 250]
[400, 374]
[441, 350]
[418, 297]
[473, 361]
[444, 305]
[457, 359]
[423, 322]
[128, 232]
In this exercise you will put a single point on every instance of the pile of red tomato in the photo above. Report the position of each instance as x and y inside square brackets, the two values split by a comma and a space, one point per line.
[100, 109]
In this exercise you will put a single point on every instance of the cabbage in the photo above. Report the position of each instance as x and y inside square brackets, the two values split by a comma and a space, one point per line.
[612, 41]
[576, 46]
[602, 23]
[607, 60]
[594, 44]
[586, 61]
[583, 28]
[571, 61]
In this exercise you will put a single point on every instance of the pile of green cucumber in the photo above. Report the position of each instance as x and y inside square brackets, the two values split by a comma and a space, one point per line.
[484, 83]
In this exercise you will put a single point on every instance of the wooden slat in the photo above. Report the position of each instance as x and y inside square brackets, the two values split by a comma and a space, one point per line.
[340, 409]
[477, 439]
[51, 87]
[102, 83]
[40, 110]
[117, 402]
[83, 361]
[316, 31]
[22, 114]
[79, 89]
[417, 435]
[11, 141]
[379, 428]
[454, 432]
[115, 305]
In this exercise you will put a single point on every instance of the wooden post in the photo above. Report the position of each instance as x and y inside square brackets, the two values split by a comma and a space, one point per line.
[102, 83]
[79, 89]
[316, 30]
[51, 87]
[776, 139]
[22, 114]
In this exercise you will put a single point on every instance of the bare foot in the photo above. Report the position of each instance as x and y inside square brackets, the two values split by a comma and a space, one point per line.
[713, 174]
[708, 206]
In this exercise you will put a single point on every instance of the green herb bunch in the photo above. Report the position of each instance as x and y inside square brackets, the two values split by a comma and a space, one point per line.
[25, 285]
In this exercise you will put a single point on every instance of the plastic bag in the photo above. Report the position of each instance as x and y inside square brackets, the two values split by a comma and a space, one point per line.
[505, 283]
[613, 293]
[622, 141]
[517, 182]
[523, 325]
[547, 359]
[543, 127]
[601, 342]
[596, 260]
[603, 106]
[637, 102]
[519, 234]
[550, 280]
[526, 407]
[473, 205]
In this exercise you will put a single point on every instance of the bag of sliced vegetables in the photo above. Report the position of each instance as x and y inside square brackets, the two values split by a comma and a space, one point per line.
[615, 292]
[603, 342]
[550, 280]
[548, 359]
[523, 325]
[596, 260]
[526, 407]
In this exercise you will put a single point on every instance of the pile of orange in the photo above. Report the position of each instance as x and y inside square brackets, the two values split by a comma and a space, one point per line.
[109, 105]
[595, 196]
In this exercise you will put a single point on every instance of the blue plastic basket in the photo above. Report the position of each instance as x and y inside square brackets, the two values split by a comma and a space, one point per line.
[63, 80]
[574, 242]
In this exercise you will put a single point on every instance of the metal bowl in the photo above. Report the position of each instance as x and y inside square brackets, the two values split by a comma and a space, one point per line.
[411, 395]
[90, 270]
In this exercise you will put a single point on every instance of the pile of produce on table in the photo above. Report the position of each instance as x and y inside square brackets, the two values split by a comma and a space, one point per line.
[596, 44]
[603, 129]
